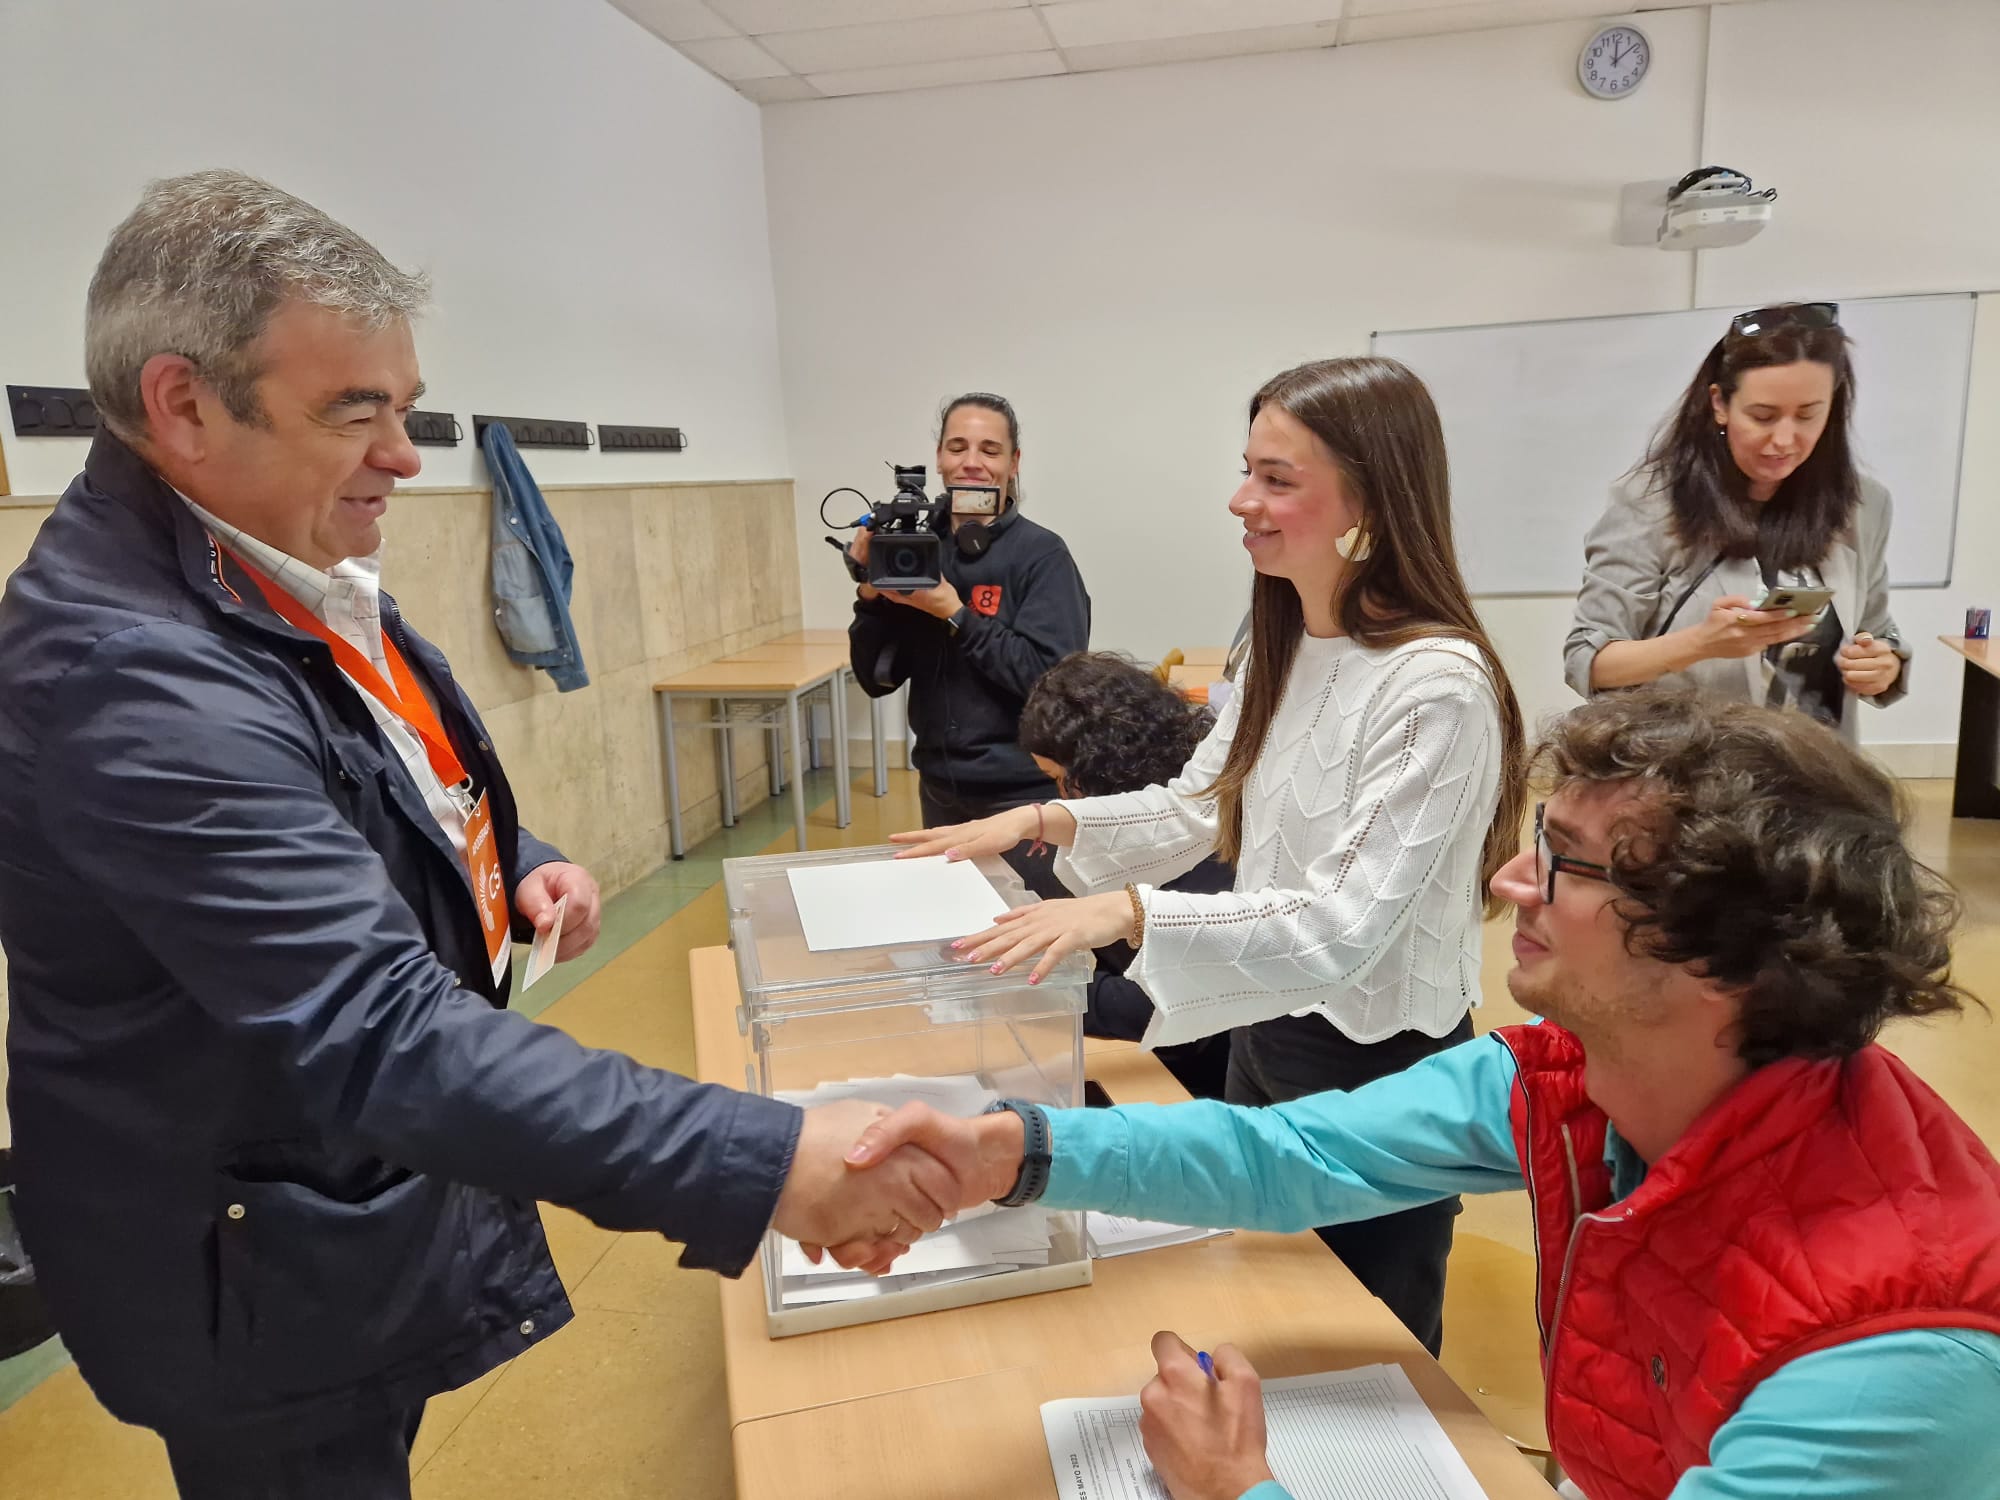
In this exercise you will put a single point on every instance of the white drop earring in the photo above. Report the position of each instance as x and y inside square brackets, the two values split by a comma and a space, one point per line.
[1355, 545]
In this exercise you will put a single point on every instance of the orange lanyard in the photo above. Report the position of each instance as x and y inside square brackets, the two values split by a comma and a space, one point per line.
[405, 699]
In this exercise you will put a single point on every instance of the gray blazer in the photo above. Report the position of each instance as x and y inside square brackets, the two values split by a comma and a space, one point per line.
[1635, 573]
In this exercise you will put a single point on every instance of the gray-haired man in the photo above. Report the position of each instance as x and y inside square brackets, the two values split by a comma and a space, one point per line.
[278, 1138]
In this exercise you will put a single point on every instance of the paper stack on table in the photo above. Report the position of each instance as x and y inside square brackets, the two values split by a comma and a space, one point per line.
[979, 1242]
[1115, 1234]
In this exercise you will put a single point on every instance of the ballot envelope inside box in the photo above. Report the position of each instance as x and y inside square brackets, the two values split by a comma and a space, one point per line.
[894, 1021]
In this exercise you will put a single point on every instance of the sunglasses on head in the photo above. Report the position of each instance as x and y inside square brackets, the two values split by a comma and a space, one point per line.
[1810, 315]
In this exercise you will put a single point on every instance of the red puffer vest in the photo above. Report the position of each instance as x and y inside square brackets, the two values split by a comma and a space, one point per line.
[1814, 1203]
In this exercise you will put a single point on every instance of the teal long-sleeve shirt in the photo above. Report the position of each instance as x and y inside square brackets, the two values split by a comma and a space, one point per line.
[1872, 1419]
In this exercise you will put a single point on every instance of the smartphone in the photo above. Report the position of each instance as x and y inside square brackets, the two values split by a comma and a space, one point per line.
[1796, 601]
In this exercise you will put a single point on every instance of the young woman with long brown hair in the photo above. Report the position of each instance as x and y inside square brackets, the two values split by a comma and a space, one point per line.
[1366, 779]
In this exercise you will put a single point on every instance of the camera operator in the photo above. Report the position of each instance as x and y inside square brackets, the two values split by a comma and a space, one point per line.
[1010, 604]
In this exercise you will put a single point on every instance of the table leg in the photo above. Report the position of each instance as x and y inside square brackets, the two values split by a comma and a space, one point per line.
[843, 811]
[878, 744]
[728, 764]
[798, 768]
[812, 733]
[1975, 788]
[775, 741]
[676, 845]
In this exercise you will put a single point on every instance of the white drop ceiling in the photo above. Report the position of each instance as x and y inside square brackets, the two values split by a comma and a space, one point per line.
[779, 50]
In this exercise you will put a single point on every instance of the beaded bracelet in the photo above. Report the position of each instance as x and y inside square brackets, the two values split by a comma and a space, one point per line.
[1138, 916]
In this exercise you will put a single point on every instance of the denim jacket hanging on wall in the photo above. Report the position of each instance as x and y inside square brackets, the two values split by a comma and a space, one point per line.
[531, 568]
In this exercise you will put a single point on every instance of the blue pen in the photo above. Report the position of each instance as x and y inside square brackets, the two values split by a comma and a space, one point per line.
[1207, 1364]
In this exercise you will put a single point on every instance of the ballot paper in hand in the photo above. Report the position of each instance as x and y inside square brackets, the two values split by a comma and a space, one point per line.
[874, 902]
[1348, 1435]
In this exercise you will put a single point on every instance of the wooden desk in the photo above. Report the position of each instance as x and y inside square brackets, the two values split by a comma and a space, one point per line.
[1204, 656]
[790, 651]
[878, 736]
[930, 1442]
[815, 637]
[777, 686]
[1975, 790]
[796, 653]
[887, 1398]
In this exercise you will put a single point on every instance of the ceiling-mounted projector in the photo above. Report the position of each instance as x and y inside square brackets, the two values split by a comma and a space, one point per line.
[1712, 207]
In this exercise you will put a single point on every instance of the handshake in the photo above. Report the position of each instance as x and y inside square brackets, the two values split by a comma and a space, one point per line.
[865, 1183]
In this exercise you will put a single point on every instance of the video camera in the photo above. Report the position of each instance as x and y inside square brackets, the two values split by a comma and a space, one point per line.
[906, 550]
[906, 546]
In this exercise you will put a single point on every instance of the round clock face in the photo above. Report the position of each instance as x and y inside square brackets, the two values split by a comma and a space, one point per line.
[1614, 61]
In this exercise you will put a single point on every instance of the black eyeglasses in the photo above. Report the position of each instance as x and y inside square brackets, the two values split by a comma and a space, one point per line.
[1807, 315]
[1549, 864]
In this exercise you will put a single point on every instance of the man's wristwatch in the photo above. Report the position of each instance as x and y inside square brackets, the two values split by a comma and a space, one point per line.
[955, 620]
[1035, 1155]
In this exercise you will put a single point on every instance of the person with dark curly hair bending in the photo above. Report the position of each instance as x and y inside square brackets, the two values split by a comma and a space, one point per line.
[1099, 723]
[1767, 1250]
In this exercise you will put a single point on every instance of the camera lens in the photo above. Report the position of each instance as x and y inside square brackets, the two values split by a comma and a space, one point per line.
[904, 560]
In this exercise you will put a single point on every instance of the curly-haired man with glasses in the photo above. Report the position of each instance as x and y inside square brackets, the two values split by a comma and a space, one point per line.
[1767, 1250]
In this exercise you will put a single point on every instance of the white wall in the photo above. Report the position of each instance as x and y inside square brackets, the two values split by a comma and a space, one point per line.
[589, 202]
[1127, 255]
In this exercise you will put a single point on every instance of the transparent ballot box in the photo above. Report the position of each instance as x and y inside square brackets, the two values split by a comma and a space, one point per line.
[899, 1020]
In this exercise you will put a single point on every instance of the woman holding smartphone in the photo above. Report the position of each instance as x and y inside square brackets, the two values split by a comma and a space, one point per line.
[1748, 497]
[1365, 779]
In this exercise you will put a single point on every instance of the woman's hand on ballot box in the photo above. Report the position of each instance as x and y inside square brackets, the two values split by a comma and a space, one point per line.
[1050, 823]
[1053, 929]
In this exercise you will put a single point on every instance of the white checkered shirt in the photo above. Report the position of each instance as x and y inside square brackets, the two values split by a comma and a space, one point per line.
[348, 601]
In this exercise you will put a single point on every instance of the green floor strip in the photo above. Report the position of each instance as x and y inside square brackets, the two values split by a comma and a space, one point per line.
[24, 1372]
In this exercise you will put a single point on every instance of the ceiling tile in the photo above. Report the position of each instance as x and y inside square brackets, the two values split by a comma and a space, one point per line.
[890, 44]
[734, 58]
[1191, 48]
[1424, 18]
[776, 90]
[676, 20]
[756, 17]
[1091, 23]
[932, 75]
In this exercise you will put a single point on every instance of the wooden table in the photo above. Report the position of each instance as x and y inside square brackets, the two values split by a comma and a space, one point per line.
[1975, 791]
[946, 1404]
[785, 651]
[817, 637]
[878, 737]
[776, 688]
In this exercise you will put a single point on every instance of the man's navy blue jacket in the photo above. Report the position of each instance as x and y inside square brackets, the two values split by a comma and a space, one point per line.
[278, 1137]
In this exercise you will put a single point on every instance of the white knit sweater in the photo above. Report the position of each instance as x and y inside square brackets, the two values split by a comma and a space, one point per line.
[1358, 888]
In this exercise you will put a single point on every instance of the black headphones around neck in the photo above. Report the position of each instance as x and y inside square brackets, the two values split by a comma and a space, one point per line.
[974, 539]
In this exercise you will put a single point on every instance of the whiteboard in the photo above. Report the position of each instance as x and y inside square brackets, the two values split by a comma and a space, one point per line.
[1540, 420]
